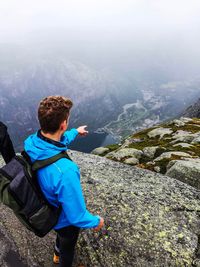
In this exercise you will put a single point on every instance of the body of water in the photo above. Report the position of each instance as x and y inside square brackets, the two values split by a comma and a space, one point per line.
[91, 141]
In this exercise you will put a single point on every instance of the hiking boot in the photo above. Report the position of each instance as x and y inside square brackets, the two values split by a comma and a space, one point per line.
[56, 257]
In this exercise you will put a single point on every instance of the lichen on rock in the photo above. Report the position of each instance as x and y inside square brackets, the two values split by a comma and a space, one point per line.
[124, 153]
[187, 171]
[167, 155]
[150, 219]
[150, 151]
[100, 150]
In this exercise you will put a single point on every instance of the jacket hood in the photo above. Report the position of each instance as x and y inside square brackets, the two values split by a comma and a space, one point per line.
[39, 148]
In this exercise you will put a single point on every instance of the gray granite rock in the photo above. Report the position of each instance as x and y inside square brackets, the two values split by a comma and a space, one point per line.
[178, 123]
[180, 120]
[124, 153]
[100, 150]
[157, 169]
[150, 220]
[183, 136]
[185, 119]
[9, 255]
[187, 171]
[130, 141]
[131, 161]
[159, 132]
[150, 151]
[183, 145]
[167, 155]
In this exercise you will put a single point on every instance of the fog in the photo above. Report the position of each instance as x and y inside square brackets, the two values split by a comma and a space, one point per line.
[103, 54]
[134, 16]
[115, 34]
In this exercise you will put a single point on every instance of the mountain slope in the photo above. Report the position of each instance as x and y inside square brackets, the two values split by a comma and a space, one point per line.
[193, 111]
[93, 92]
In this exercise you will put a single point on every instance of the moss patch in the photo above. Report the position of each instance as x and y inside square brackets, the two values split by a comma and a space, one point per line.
[163, 144]
[113, 147]
[164, 162]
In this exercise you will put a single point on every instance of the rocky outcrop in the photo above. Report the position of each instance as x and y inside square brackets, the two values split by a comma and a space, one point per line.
[158, 146]
[183, 145]
[168, 155]
[150, 151]
[183, 136]
[159, 132]
[124, 153]
[100, 151]
[187, 170]
[150, 219]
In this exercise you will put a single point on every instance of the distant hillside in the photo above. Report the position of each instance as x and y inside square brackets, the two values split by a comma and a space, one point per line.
[97, 97]
[193, 111]
[106, 99]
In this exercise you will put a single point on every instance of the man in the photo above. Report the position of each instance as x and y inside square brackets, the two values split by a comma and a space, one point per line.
[60, 181]
[6, 146]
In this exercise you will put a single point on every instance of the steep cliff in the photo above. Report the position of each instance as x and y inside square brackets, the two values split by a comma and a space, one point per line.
[150, 219]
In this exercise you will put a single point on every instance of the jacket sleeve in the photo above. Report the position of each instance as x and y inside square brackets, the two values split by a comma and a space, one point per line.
[69, 136]
[70, 196]
[6, 145]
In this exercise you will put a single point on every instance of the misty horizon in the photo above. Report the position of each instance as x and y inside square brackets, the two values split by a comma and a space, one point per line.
[126, 37]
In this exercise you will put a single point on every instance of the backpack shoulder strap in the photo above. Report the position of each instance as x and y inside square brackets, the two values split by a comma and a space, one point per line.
[38, 164]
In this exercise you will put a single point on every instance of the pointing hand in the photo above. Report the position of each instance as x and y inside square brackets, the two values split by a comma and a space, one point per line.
[82, 131]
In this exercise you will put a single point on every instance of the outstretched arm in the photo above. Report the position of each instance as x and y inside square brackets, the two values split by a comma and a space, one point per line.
[72, 134]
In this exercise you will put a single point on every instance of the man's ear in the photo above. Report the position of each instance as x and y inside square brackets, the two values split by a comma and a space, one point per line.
[62, 126]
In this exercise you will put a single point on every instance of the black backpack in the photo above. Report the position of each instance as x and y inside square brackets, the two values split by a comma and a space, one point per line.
[20, 191]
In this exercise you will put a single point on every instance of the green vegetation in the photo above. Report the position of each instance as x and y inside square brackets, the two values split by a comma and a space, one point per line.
[164, 162]
[113, 147]
[140, 140]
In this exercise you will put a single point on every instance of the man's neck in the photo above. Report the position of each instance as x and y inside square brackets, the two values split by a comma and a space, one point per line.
[56, 136]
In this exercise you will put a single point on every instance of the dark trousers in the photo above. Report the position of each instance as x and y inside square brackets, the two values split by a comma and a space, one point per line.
[66, 242]
[6, 146]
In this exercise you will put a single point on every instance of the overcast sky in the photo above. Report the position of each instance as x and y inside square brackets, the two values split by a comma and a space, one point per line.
[107, 32]
[18, 17]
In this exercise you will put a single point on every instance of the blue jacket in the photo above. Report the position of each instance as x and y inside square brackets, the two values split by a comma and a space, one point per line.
[60, 181]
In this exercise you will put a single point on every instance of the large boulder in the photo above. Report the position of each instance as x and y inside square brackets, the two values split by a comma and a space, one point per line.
[150, 151]
[131, 161]
[178, 123]
[182, 121]
[125, 153]
[187, 171]
[100, 150]
[184, 145]
[183, 136]
[168, 155]
[159, 132]
[150, 220]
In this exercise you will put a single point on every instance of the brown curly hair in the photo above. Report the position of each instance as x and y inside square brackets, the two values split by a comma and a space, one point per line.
[52, 111]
